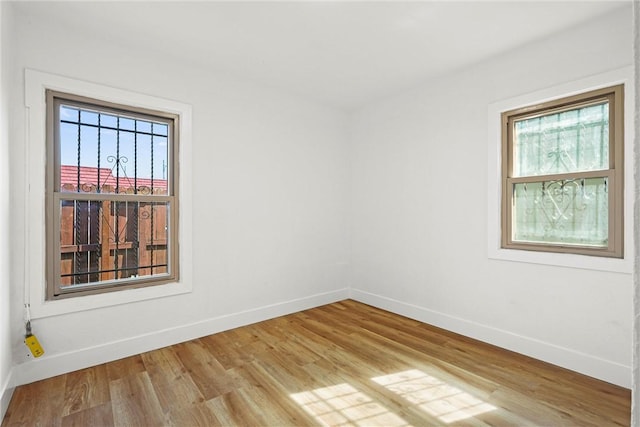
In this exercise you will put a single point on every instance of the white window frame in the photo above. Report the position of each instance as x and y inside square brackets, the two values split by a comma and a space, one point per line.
[494, 243]
[36, 85]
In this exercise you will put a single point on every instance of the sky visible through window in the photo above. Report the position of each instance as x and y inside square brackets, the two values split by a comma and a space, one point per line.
[141, 145]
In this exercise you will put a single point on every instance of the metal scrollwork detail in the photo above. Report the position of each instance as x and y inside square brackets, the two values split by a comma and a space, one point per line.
[117, 160]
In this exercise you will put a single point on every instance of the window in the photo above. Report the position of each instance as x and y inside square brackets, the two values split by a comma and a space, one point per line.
[562, 175]
[111, 196]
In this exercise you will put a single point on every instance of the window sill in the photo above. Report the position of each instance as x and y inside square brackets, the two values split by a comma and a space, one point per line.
[614, 265]
[41, 309]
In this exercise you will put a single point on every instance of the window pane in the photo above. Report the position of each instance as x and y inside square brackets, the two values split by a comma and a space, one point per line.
[104, 153]
[89, 117]
[68, 113]
[571, 212]
[108, 120]
[126, 123]
[570, 141]
[104, 241]
[144, 126]
[161, 129]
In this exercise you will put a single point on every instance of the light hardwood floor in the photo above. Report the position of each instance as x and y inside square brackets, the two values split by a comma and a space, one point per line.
[340, 364]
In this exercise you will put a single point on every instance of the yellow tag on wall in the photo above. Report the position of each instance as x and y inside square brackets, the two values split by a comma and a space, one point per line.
[32, 342]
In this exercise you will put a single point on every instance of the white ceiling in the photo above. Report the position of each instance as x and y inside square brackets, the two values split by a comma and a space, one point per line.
[341, 53]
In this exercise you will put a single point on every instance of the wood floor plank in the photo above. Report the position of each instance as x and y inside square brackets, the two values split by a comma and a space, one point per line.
[341, 364]
[173, 385]
[85, 389]
[206, 372]
[275, 389]
[233, 410]
[125, 367]
[265, 407]
[231, 352]
[134, 402]
[95, 416]
[289, 376]
[201, 414]
[37, 404]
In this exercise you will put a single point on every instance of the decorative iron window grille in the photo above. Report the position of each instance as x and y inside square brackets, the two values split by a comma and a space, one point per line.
[111, 187]
[562, 175]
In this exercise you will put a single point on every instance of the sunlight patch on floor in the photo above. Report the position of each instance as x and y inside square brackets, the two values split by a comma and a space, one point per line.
[434, 396]
[344, 405]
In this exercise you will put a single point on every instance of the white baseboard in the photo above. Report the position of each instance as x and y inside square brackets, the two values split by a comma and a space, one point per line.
[586, 364]
[5, 396]
[57, 364]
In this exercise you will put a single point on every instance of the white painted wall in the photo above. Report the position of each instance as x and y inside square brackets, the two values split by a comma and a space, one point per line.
[419, 191]
[269, 202]
[5, 307]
